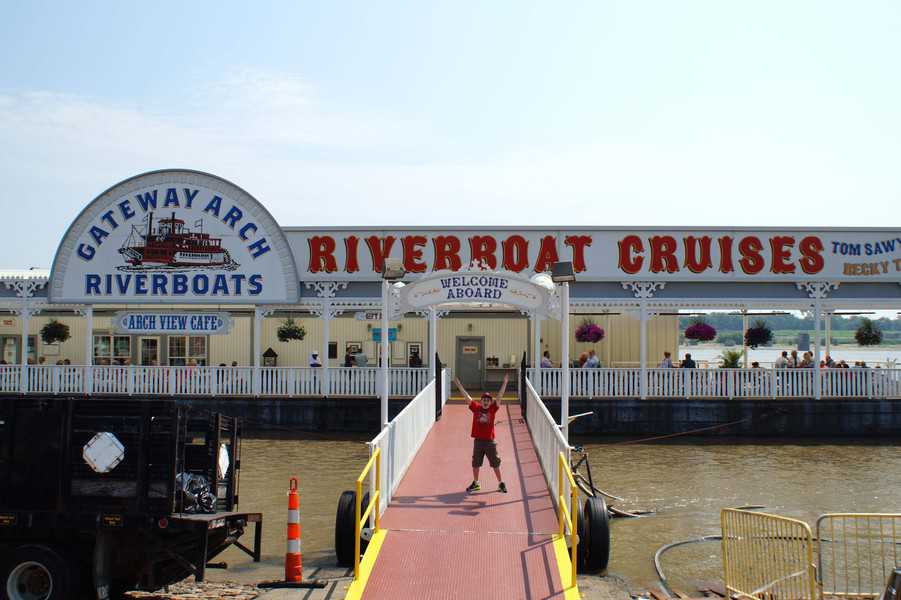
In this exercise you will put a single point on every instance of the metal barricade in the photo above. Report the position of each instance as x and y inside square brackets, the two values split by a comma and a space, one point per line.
[767, 557]
[568, 517]
[857, 552]
[361, 515]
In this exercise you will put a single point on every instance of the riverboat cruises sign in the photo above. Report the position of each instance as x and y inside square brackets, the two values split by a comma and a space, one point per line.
[608, 254]
[174, 236]
[156, 323]
[475, 287]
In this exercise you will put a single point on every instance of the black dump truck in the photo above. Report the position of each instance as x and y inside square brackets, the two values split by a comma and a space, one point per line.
[101, 496]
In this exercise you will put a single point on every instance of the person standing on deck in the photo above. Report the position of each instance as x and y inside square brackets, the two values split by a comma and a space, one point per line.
[667, 362]
[483, 444]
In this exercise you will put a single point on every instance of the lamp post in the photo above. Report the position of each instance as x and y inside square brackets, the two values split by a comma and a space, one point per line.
[562, 273]
[392, 271]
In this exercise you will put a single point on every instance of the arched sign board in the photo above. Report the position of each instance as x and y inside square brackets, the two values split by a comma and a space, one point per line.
[174, 237]
[480, 287]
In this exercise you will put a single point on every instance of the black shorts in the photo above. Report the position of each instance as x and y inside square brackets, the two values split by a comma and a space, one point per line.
[483, 448]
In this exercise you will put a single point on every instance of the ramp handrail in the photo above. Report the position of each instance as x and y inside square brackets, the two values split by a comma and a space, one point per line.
[569, 516]
[372, 507]
[857, 552]
[547, 438]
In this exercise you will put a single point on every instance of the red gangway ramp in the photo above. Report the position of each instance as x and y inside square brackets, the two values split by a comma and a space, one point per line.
[443, 543]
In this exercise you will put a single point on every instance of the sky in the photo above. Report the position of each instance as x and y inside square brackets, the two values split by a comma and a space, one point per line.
[509, 112]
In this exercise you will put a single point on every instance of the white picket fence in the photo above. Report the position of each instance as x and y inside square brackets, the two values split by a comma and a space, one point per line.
[402, 438]
[210, 381]
[720, 383]
[548, 440]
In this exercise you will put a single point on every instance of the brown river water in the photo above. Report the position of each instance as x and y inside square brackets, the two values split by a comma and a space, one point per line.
[685, 482]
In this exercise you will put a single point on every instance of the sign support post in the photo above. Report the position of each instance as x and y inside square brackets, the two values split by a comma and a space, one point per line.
[89, 350]
[817, 372]
[385, 351]
[564, 385]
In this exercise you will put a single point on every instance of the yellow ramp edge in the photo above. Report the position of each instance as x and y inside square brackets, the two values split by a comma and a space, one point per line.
[355, 591]
[570, 592]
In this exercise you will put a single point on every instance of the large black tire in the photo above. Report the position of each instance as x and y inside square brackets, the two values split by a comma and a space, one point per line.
[345, 522]
[581, 554]
[35, 570]
[596, 543]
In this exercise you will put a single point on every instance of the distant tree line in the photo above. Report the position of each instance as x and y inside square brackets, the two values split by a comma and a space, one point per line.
[787, 326]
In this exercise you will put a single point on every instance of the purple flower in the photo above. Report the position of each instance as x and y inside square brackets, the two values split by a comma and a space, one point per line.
[701, 331]
[589, 332]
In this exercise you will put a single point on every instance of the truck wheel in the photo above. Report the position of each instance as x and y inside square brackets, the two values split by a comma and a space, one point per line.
[37, 573]
[345, 523]
[597, 546]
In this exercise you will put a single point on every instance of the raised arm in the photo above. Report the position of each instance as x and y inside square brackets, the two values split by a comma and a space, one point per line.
[462, 390]
[500, 394]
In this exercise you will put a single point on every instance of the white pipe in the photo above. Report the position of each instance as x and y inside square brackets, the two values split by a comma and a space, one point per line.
[323, 360]
[257, 326]
[385, 353]
[817, 373]
[433, 335]
[643, 350]
[89, 350]
[25, 315]
[564, 335]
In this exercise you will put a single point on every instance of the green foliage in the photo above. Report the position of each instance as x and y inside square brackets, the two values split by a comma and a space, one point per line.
[729, 338]
[868, 334]
[758, 334]
[731, 359]
[289, 330]
[54, 332]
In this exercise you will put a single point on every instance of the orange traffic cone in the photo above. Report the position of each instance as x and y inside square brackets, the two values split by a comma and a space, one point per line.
[293, 563]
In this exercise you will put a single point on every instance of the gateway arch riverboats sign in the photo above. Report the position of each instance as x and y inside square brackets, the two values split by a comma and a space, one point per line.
[174, 236]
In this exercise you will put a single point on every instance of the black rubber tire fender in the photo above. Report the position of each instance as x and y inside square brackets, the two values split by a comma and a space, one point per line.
[582, 529]
[64, 579]
[345, 521]
[597, 542]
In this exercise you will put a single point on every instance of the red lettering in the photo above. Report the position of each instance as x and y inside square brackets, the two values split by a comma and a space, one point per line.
[751, 262]
[350, 254]
[516, 253]
[693, 262]
[811, 259]
[379, 249]
[781, 246]
[447, 252]
[413, 253]
[547, 254]
[482, 249]
[628, 263]
[725, 243]
[322, 254]
[578, 243]
[663, 254]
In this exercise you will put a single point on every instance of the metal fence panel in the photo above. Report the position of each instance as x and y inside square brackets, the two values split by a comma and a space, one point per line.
[857, 552]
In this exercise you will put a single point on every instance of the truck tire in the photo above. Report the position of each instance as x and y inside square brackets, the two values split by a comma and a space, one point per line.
[345, 522]
[597, 536]
[37, 573]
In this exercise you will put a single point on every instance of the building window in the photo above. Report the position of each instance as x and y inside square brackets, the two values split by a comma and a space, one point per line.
[112, 349]
[187, 350]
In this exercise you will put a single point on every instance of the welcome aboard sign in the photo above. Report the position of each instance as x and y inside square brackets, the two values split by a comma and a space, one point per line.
[174, 237]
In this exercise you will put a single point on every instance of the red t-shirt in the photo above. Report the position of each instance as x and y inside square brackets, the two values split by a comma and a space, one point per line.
[483, 420]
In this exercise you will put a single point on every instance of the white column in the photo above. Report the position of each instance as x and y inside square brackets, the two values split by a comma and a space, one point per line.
[433, 336]
[817, 373]
[643, 349]
[828, 332]
[326, 320]
[386, 289]
[564, 339]
[536, 342]
[257, 332]
[25, 316]
[744, 328]
[89, 350]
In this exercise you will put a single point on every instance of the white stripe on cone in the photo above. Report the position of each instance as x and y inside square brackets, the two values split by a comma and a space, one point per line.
[293, 516]
[293, 546]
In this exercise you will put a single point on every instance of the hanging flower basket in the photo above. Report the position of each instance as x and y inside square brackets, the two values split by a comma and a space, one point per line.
[54, 332]
[701, 331]
[289, 330]
[758, 335]
[589, 332]
[868, 334]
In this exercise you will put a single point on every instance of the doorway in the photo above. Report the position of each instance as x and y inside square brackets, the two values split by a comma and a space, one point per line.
[470, 361]
[149, 351]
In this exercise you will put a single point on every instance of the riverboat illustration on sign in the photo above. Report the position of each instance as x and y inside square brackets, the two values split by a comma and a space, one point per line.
[171, 245]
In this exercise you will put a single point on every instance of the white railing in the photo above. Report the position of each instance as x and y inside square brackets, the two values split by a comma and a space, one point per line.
[548, 441]
[720, 383]
[208, 381]
[401, 440]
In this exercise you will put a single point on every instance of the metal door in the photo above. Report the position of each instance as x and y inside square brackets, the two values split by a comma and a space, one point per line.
[470, 361]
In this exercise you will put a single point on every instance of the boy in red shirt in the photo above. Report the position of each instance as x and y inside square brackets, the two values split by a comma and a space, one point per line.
[483, 444]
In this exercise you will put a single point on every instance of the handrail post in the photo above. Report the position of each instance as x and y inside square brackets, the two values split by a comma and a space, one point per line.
[560, 492]
[358, 500]
[378, 486]
[574, 536]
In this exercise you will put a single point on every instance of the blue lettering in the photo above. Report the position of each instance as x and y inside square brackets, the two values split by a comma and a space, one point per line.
[91, 284]
[220, 286]
[255, 284]
[141, 284]
[868, 249]
[159, 285]
[182, 320]
[233, 215]
[245, 229]
[237, 280]
[148, 199]
[180, 284]
[445, 283]
[98, 234]
[200, 284]
[189, 197]
[108, 217]
[126, 210]
[258, 248]
[214, 205]
[86, 252]
[122, 282]
[171, 198]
